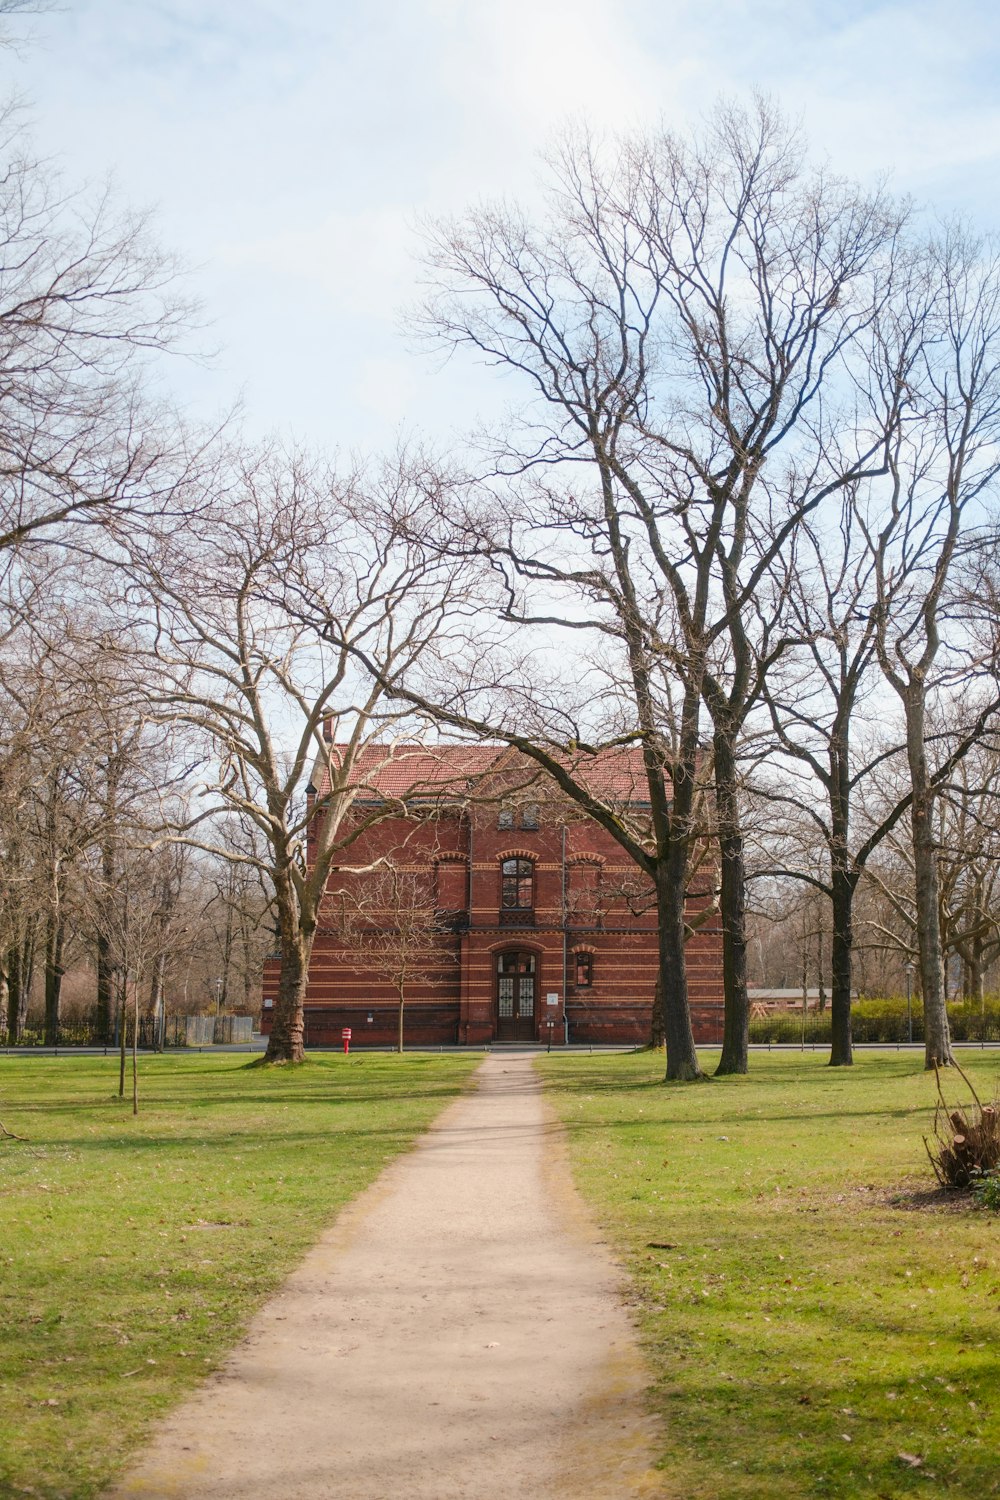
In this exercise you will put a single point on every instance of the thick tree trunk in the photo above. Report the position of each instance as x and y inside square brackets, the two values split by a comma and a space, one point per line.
[937, 1039]
[682, 1059]
[732, 910]
[842, 905]
[287, 1040]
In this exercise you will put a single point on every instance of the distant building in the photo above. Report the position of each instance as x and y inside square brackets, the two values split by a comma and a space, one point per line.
[549, 931]
[764, 1001]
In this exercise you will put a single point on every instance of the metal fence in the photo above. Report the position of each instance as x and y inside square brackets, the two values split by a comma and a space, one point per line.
[173, 1031]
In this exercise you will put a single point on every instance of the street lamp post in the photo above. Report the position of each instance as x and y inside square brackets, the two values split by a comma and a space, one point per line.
[909, 1002]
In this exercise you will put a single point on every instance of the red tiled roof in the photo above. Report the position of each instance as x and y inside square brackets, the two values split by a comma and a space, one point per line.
[403, 770]
[400, 770]
[616, 775]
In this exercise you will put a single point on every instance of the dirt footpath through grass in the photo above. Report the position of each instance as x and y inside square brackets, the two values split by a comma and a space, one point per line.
[458, 1333]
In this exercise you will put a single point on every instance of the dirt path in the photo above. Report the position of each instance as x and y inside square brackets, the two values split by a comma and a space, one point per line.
[458, 1333]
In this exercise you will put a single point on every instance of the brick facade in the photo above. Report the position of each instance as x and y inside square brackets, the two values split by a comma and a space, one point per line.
[567, 949]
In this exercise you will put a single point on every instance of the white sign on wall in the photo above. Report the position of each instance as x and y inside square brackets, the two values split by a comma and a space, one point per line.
[551, 999]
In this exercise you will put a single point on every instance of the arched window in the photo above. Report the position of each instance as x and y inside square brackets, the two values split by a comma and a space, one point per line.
[517, 881]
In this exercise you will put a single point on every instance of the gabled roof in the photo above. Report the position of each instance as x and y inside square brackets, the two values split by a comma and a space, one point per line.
[411, 770]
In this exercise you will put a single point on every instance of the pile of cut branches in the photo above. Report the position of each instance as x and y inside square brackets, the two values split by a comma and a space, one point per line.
[966, 1138]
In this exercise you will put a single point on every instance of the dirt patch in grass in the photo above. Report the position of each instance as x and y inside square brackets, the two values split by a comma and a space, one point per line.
[935, 1200]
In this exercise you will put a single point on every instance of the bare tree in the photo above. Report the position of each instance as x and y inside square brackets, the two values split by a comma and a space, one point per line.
[84, 296]
[136, 924]
[681, 321]
[257, 609]
[944, 340]
[969, 859]
[237, 903]
[823, 705]
[967, 832]
[391, 926]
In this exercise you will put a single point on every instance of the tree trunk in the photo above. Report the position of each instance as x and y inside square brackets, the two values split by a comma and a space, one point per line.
[105, 988]
[937, 1039]
[732, 910]
[286, 1042]
[20, 972]
[55, 937]
[976, 973]
[657, 1037]
[156, 1002]
[842, 906]
[682, 1059]
[227, 958]
[16, 1000]
[820, 972]
[843, 885]
[399, 1047]
[135, 1050]
[123, 1038]
[105, 955]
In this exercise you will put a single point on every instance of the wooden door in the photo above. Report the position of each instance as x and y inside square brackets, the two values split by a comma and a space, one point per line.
[515, 997]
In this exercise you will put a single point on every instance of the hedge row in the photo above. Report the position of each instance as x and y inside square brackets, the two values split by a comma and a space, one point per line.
[881, 1020]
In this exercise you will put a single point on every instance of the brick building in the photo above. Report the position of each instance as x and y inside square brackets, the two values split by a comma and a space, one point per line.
[546, 929]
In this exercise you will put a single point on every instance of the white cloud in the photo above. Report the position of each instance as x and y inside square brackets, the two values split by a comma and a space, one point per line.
[292, 148]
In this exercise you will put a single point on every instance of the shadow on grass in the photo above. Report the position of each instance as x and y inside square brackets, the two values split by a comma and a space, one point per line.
[154, 1142]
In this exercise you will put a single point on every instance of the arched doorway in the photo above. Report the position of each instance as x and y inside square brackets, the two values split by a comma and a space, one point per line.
[515, 997]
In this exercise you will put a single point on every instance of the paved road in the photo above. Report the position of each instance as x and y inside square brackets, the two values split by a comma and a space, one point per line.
[458, 1333]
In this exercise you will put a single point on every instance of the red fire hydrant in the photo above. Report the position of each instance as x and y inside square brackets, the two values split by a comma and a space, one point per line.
[346, 1034]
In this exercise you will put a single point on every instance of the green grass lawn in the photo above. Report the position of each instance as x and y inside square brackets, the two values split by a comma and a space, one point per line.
[811, 1312]
[133, 1251]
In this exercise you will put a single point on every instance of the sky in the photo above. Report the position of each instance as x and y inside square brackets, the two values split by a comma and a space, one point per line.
[290, 151]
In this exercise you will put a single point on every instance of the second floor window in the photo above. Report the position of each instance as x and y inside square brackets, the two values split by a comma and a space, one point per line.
[516, 884]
